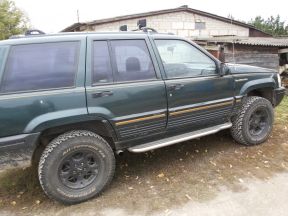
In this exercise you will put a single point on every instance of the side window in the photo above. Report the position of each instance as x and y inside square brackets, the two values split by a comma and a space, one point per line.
[132, 61]
[102, 71]
[181, 59]
[2, 52]
[41, 66]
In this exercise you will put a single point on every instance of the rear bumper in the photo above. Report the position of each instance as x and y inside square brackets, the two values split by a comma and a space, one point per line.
[278, 95]
[17, 151]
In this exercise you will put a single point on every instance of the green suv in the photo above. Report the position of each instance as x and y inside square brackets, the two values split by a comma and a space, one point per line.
[72, 101]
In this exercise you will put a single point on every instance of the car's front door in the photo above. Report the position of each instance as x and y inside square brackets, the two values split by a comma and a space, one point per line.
[124, 86]
[197, 95]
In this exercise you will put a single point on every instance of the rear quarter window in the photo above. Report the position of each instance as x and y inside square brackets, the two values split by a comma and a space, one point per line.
[41, 66]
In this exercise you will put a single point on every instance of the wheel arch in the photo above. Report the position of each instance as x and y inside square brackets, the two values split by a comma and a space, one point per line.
[266, 93]
[99, 126]
[261, 88]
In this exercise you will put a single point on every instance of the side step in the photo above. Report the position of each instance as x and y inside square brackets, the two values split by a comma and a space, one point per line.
[179, 138]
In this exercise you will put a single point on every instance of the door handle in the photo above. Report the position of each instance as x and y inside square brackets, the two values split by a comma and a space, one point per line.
[175, 87]
[102, 94]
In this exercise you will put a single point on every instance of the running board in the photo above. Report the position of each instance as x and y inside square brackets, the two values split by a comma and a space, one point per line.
[179, 138]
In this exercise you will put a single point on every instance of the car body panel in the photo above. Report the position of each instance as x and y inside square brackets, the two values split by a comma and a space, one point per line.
[24, 112]
[248, 78]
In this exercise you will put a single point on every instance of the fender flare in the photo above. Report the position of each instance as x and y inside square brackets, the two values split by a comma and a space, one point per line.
[66, 117]
[257, 84]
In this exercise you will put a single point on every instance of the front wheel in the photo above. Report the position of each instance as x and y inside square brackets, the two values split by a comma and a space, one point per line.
[76, 166]
[253, 122]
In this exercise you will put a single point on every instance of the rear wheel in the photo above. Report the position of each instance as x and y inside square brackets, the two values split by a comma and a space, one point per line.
[76, 166]
[253, 122]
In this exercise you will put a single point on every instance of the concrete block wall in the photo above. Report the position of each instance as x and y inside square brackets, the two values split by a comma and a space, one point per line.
[179, 23]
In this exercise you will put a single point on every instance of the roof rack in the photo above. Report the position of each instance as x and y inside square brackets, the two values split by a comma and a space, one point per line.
[142, 26]
[30, 32]
[34, 32]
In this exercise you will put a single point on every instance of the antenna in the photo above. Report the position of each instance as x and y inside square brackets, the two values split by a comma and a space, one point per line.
[78, 17]
[233, 44]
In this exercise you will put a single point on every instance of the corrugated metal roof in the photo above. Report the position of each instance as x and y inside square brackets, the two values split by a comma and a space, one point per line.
[255, 41]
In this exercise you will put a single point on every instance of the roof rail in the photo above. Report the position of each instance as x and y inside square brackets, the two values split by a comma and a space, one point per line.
[30, 32]
[34, 32]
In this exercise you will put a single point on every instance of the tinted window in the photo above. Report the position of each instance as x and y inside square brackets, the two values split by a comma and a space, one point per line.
[132, 60]
[2, 52]
[41, 66]
[102, 71]
[181, 59]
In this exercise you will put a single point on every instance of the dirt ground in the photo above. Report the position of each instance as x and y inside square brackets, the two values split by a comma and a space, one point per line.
[209, 176]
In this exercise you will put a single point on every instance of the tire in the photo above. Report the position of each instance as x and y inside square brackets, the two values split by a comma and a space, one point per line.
[254, 121]
[76, 166]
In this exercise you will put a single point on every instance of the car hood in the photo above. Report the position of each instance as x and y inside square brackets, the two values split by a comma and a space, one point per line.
[240, 68]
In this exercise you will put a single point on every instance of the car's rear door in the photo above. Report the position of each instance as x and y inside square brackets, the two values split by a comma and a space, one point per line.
[197, 95]
[124, 84]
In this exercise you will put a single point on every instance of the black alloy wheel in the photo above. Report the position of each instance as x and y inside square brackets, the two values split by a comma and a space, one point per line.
[79, 169]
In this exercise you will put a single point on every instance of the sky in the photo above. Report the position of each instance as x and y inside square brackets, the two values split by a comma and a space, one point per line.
[52, 16]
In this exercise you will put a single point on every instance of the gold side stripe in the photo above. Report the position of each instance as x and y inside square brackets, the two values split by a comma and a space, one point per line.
[238, 100]
[200, 108]
[140, 119]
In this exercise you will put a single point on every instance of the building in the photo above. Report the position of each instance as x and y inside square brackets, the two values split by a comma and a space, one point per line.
[182, 21]
[255, 51]
[229, 40]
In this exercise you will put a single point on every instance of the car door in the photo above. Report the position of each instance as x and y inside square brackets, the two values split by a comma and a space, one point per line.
[124, 85]
[197, 95]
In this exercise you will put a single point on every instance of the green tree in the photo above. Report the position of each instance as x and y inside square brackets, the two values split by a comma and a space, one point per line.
[13, 21]
[272, 25]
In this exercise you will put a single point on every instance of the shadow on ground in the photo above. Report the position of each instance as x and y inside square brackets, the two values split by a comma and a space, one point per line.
[194, 170]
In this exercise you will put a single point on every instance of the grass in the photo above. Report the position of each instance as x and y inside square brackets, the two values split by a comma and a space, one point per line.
[19, 181]
[282, 112]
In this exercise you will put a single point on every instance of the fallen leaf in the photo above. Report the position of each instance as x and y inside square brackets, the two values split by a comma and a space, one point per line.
[188, 197]
[213, 163]
[13, 203]
[161, 175]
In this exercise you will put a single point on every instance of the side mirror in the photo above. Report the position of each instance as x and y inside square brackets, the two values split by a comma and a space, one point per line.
[224, 69]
